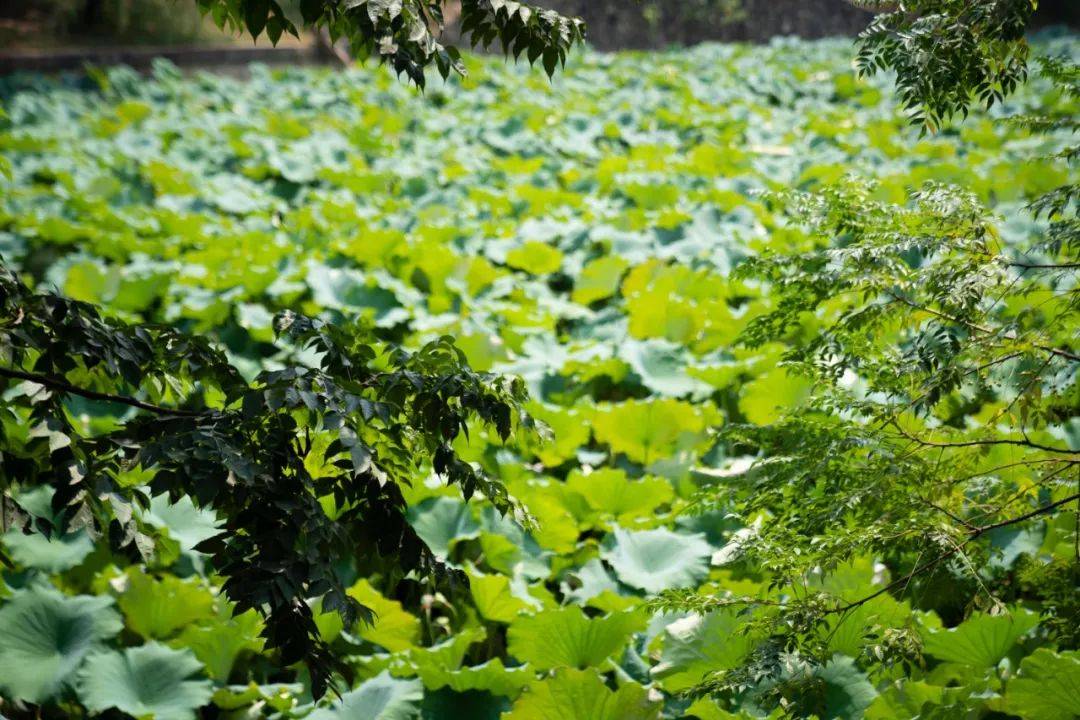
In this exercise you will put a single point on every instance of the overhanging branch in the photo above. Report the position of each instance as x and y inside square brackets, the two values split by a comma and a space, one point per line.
[67, 388]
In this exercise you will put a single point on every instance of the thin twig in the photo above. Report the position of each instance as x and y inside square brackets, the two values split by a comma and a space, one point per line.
[952, 516]
[67, 388]
[972, 535]
[981, 443]
[1045, 266]
[980, 328]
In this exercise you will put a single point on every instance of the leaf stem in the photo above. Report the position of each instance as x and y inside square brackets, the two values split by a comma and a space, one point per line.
[67, 388]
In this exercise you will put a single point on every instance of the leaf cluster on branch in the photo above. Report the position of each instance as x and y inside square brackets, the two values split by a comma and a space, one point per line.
[304, 464]
[406, 34]
[945, 366]
[947, 54]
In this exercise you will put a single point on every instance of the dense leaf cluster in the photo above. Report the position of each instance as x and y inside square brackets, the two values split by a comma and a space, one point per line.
[944, 417]
[405, 34]
[947, 54]
[584, 235]
[305, 463]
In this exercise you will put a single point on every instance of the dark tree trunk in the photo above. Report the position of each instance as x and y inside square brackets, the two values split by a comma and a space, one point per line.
[93, 13]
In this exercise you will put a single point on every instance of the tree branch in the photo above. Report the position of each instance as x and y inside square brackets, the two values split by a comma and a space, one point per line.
[980, 443]
[67, 388]
[1026, 516]
[1060, 352]
[972, 535]
[1045, 266]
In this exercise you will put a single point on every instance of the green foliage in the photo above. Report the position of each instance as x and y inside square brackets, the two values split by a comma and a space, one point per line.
[981, 641]
[155, 609]
[948, 54]
[653, 560]
[940, 434]
[1047, 686]
[47, 638]
[248, 455]
[149, 680]
[405, 34]
[696, 646]
[380, 698]
[567, 638]
[212, 205]
[582, 694]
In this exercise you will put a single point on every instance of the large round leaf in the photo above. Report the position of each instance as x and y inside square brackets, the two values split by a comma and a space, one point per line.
[607, 492]
[394, 628]
[1047, 687]
[159, 608]
[219, 642]
[566, 637]
[149, 681]
[380, 698]
[655, 560]
[848, 692]
[650, 430]
[53, 555]
[442, 522]
[473, 704]
[582, 695]
[185, 523]
[981, 641]
[46, 637]
[695, 646]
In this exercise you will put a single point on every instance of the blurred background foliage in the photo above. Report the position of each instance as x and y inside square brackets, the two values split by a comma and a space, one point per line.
[51, 23]
[612, 24]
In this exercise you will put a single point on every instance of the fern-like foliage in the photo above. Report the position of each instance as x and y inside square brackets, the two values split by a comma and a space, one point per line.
[944, 417]
[948, 54]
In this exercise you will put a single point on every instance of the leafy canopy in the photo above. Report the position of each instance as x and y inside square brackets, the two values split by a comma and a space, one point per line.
[940, 434]
[946, 54]
[213, 205]
[306, 463]
[405, 34]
